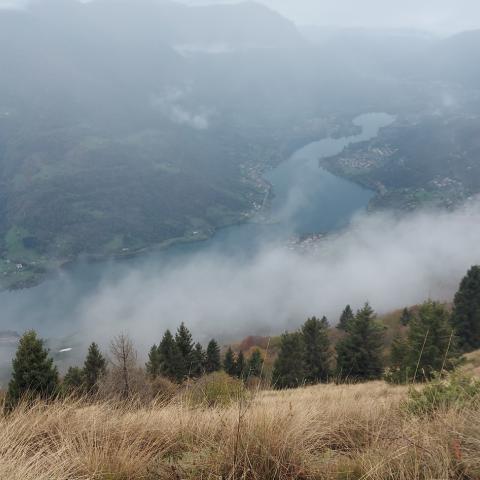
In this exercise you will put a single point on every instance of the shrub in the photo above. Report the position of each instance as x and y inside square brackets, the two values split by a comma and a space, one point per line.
[111, 385]
[256, 384]
[73, 383]
[454, 391]
[216, 389]
[143, 389]
[162, 389]
[429, 347]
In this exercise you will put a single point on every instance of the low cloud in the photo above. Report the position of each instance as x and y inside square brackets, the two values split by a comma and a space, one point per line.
[13, 4]
[388, 261]
[391, 263]
[171, 103]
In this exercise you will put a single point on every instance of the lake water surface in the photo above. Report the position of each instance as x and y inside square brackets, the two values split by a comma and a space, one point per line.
[307, 200]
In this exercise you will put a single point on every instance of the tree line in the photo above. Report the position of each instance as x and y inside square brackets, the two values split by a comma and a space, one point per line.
[432, 340]
[176, 358]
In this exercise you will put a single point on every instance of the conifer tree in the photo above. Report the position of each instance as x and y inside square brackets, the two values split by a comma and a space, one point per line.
[406, 317]
[466, 311]
[153, 365]
[183, 339]
[240, 366]
[255, 364]
[317, 346]
[94, 368]
[345, 319]
[359, 354]
[34, 374]
[289, 368]
[398, 370]
[213, 362]
[432, 346]
[229, 364]
[172, 363]
[74, 381]
[198, 361]
[399, 351]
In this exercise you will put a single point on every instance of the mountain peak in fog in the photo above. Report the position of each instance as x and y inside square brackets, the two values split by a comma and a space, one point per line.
[236, 25]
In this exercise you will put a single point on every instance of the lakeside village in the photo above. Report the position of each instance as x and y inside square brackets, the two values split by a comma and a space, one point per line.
[304, 244]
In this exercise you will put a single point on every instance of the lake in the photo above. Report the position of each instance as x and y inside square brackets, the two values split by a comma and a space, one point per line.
[307, 199]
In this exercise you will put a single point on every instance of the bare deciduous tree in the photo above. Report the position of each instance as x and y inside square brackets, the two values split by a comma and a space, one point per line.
[124, 360]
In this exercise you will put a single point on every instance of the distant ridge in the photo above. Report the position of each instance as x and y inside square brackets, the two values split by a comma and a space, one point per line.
[455, 58]
[245, 23]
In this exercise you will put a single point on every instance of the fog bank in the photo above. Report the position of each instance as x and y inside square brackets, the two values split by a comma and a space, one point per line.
[391, 263]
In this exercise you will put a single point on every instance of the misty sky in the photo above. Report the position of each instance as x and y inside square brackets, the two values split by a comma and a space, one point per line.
[435, 15]
[441, 16]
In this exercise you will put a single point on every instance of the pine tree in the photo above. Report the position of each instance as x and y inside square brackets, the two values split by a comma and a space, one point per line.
[229, 364]
[213, 362]
[94, 368]
[240, 366]
[183, 339]
[34, 374]
[466, 311]
[399, 351]
[289, 368]
[198, 361]
[398, 370]
[172, 363]
[74, 381]
[359, 354]
[317, 346]
[345, 319]
[406, 317]
[255, 364]
[431, 343]
[154, 362]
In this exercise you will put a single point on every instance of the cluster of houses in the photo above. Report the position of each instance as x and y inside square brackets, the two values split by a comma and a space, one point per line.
[365, 160]
[18, 267]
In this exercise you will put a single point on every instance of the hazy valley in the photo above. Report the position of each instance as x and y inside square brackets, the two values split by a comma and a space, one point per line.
[90, 163]
[239, 240]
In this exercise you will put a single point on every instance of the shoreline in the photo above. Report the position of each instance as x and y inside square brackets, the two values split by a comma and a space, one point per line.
[254, 216]
[92, 259]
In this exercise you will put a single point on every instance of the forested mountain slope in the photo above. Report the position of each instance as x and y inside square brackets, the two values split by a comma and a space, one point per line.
[130, 124]
[105, 146]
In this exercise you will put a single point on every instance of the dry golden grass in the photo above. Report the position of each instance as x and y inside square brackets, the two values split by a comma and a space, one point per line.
[472, 364]
[325, 432]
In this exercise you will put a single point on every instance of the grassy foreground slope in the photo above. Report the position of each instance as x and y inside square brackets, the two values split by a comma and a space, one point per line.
[323, 432]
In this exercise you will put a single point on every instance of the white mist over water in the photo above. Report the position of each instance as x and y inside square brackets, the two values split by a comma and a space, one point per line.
[219, 291]
[391, 263]
[307, 199]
